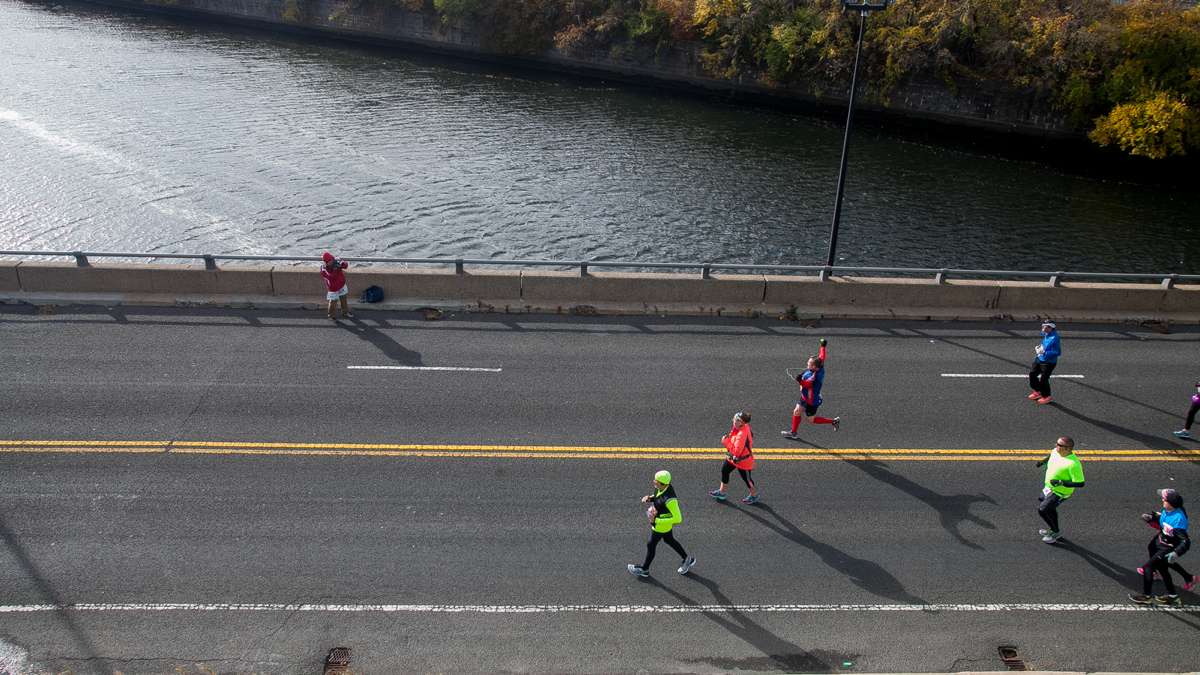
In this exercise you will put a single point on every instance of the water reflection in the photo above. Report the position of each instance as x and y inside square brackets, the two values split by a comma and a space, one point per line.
[120, 131]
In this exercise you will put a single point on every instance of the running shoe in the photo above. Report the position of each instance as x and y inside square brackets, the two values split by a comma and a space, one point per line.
[1034, 395]
[787, 434]
[1138, 598]
[1190, 583]
[637, 571]
[1051, 538]
[837, 423]
[1168, 600]
[717, 495]
[687, 565]
[750, 499]
[1183, 433]
[1044, 531]
[1044, 400]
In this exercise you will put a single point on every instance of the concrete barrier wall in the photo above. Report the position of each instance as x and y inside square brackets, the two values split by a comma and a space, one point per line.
[602, 292]
[9, 281]
[144, 279]
[503, 287]
[869, 294]
[552, 291]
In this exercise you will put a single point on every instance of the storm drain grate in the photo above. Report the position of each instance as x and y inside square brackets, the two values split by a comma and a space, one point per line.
[338, 661]
[1010, 658]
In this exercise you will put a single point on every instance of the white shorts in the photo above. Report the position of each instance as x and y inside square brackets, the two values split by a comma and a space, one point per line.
[334, 295]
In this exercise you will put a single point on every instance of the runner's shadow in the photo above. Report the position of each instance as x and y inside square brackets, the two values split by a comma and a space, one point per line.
[46, 589]
[1119, 573]
[865, 574]
[780, 654]
[391, 349]
[1147, 440]
[1058, 382]
[952, 510]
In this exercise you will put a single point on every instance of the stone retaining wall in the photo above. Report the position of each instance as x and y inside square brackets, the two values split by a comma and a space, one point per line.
[520, 291]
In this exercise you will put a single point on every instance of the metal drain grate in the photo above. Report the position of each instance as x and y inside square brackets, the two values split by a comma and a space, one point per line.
[1010, 658]
[338, 661]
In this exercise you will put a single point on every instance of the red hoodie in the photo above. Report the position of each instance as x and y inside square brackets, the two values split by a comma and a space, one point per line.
[334, 277]
[738, 443]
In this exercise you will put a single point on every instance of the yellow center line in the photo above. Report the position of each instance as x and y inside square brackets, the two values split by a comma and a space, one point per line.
[570, 451]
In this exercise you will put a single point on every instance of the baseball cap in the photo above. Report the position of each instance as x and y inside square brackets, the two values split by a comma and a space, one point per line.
[1170, 496]
[663, 477]
[1050, 323]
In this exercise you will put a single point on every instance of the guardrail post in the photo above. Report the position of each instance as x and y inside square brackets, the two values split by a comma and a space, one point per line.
[210, 263]
[81, 260]
[458, 266]
[1168, 282]
[940, 277]
[583, 268]
[705, 272]
[825, 273]
[1056, 279]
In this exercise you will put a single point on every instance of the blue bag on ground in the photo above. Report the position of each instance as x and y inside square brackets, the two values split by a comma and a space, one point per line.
[372, 294]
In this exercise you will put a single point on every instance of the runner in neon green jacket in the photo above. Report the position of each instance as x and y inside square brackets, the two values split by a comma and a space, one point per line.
[664, 515]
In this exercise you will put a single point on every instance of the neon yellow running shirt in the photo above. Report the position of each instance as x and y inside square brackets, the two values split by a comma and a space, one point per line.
[1063, 468]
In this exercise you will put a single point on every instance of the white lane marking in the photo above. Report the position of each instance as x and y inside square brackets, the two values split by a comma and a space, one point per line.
[454, 368]
[1055, 376]
[587, 609]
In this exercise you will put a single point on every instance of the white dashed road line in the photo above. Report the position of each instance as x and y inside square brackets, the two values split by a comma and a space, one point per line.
[450, 368]
[588, 609]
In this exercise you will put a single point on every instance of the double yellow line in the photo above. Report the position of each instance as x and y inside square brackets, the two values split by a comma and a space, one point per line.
[572, 451]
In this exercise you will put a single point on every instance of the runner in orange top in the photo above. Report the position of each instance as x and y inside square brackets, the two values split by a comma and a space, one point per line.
[738, 455]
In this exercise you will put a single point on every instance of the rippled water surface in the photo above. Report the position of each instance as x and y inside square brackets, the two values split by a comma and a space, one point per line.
[126, 132]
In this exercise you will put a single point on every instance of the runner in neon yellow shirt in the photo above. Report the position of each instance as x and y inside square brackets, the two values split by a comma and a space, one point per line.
[1064, 473]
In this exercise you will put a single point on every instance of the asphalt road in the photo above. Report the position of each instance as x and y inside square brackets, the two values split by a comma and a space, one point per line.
[858, 562]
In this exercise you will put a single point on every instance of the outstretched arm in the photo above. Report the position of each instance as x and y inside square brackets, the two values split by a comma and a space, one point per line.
[822, 351]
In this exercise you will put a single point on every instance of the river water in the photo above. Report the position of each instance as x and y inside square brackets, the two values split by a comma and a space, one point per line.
[127, 132]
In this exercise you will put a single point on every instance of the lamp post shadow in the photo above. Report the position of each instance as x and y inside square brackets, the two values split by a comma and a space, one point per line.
[778, 653]
[865, 574]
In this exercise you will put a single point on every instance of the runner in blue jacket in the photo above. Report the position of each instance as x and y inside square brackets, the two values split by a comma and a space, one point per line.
[1043, 364]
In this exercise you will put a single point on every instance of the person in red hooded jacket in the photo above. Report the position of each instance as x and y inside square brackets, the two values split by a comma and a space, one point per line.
[335, 284]
[738, 455]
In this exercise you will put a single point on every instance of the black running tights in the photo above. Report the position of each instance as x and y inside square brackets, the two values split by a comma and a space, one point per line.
[1048, 510]
[727, 470]
[653, 544]
[1156, 563]
[1039, 377]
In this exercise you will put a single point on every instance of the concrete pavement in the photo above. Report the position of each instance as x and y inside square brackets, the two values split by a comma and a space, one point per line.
[516, 565]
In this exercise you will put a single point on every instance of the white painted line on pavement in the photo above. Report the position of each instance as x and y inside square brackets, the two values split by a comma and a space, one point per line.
[454, 368]
[587, 609]
[1055, 376]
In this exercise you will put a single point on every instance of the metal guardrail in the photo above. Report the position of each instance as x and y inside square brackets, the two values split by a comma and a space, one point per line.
[823, 272]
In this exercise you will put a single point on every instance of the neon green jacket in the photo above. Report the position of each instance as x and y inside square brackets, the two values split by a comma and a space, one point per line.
[667, 508]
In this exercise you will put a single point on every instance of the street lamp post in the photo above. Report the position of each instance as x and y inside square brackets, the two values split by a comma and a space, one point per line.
[864, 8]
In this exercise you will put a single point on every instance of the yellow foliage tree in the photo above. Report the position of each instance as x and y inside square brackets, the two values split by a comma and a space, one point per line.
[1158, 127]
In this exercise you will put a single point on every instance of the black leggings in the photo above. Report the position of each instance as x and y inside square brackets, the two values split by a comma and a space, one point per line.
[1039, 377]
[653, 544]
[1157, 563]
[727, 469]
[1048, 510]
[1191, 416]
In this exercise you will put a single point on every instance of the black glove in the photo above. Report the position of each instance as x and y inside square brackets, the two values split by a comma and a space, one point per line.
[824, 342]
[1054, 482]
[1149, 517]
[1042, 463]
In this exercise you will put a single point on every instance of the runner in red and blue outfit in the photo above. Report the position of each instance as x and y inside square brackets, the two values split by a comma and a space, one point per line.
[811, 381]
